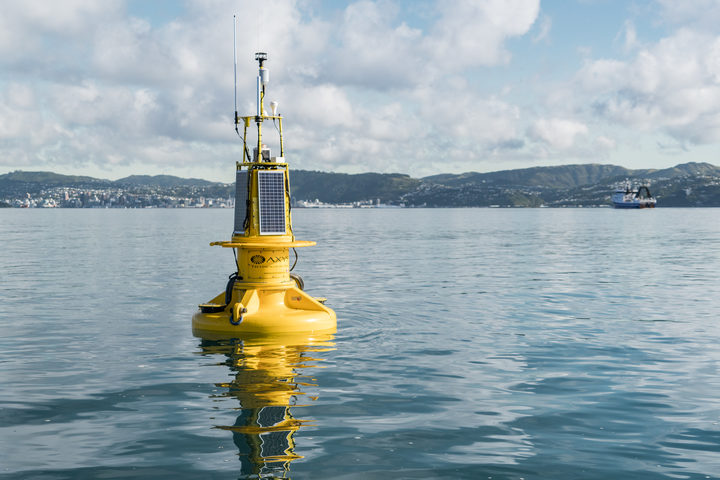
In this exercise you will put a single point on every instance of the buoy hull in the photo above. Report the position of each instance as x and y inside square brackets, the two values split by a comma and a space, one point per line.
[266, 311]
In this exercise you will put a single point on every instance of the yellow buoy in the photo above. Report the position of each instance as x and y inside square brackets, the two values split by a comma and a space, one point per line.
[262, 296]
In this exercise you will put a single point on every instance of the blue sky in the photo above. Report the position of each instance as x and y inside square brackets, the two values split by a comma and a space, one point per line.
[420, 87]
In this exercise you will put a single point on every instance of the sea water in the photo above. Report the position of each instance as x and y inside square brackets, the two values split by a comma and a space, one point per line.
[471, 343]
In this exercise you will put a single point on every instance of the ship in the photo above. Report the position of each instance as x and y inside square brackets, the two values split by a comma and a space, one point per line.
[626, 197]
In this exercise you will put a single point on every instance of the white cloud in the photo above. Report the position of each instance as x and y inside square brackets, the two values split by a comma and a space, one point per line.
[543, 29]
[373, 51]
[40, 36]
[376, 50]
[559, 133]
[603, 143]
[473, 33]
[21, 96]
[601, 75]
[630, 36]
[363, 86]
[17, 112]
[132, 52]
[323, 105]
[672, 86]
[482, 122]
[697, 14]
[91, 86]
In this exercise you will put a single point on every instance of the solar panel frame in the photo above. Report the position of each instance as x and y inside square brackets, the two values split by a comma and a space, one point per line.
[241, 196]
[271, 199]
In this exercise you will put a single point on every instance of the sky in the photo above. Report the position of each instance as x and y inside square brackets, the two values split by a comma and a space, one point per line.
[421, 87]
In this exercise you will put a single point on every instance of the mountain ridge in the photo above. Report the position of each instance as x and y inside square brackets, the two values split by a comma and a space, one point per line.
[162, 181]
[558, 176]
[687, 184]
[581, 174]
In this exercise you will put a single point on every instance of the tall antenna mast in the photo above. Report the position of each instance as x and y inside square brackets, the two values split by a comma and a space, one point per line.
[235, 70]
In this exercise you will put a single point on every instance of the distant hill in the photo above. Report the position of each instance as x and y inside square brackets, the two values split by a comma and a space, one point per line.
[693, 169]
[19, 183]
[345, 188]
[162, 181]
[48, 178]
[689, 184]
[570, 176]
[566, 176]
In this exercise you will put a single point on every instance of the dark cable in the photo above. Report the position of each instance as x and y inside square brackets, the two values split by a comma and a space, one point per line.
[229, 287]
[247, 152]
[296, 259]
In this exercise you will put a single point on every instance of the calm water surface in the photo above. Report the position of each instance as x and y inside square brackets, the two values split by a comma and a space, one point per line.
[472, 343]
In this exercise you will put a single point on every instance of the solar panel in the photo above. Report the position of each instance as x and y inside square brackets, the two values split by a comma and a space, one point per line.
[241, 195]
[271, 193]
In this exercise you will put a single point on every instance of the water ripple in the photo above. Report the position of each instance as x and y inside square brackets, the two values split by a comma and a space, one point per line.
[472, 343]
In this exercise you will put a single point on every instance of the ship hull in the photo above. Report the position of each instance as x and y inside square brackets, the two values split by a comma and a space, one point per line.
[633, 205]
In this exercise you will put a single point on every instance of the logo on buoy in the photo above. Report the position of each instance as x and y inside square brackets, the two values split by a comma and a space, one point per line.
[257, 259]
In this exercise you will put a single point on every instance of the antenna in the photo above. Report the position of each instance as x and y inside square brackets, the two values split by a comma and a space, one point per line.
[262, 80]
[235, 70]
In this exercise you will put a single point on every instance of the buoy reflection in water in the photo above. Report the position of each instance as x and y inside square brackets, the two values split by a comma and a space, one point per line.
[268, 381]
